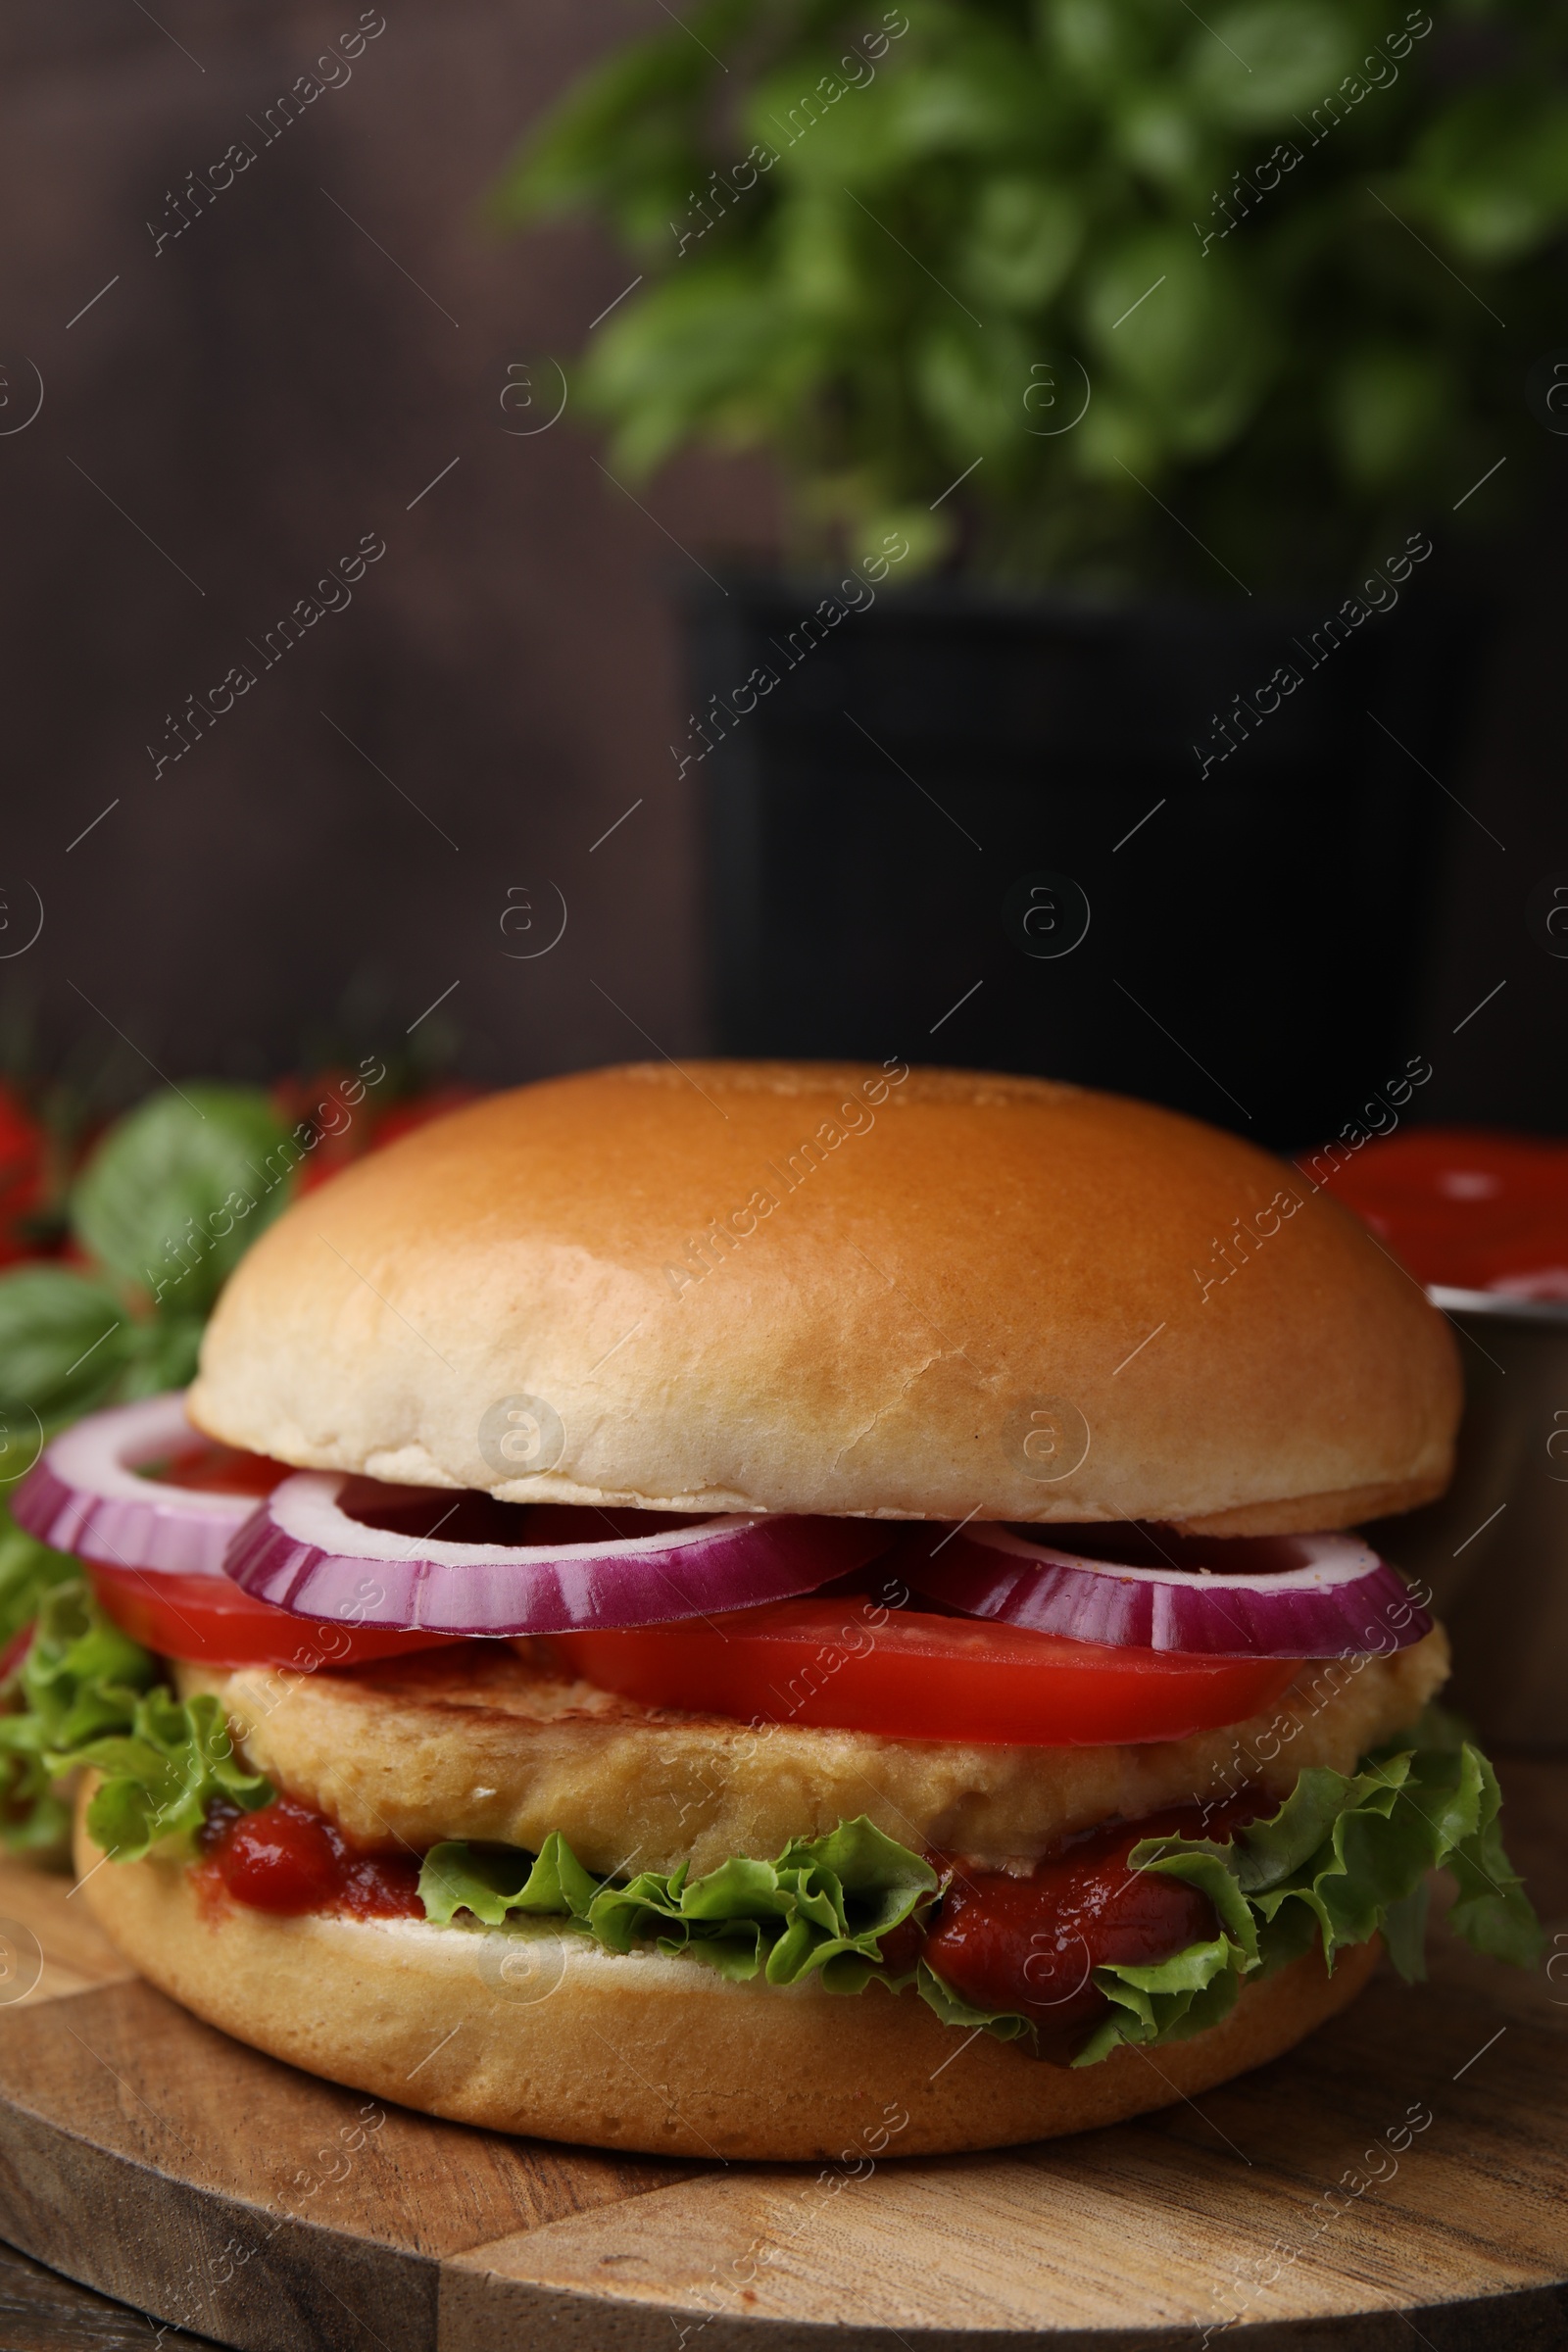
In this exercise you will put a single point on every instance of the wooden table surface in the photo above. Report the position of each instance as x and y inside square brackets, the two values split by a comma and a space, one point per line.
[42, 2312]
[1054, 2247]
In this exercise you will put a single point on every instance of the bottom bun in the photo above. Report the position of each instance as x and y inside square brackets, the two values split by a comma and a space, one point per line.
[545, 2034]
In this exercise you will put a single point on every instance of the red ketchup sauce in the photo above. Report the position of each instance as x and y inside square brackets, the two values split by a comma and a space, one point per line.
[1033, 1944]
[1465, 1208]
[287, 1859]
[1027, 1944]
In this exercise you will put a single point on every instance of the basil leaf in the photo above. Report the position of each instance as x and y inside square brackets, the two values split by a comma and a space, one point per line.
[164, 1355]
[179, 1188]
[64, 1340]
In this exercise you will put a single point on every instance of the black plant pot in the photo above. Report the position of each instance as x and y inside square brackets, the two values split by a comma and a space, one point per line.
[909, 831]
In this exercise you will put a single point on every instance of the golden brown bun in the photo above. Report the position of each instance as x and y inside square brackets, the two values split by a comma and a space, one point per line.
[638, 2051]
[970, 1293]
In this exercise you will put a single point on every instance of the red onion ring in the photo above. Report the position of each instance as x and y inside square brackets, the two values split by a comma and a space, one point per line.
[304, 1552]
[1295, 1597]
[86, 1494]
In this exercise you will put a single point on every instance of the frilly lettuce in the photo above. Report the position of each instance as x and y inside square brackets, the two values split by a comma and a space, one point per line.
[160, 1778]
[90, 1696]
[822, 1909]
[27, 1571]
[494, 1881]
[1345, 1856]
[81, 1678]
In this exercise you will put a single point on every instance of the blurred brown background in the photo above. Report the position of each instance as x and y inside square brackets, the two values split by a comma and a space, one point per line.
[237, 409]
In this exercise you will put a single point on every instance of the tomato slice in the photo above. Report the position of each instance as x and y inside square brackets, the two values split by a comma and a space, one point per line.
[215, 1469]
[210, 1622]
[206, 1619]
[852, 1665]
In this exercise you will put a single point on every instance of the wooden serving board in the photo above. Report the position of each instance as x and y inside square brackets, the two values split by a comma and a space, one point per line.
[227, 2195]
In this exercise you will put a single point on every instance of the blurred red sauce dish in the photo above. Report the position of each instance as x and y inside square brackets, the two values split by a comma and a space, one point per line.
[1467, 1209]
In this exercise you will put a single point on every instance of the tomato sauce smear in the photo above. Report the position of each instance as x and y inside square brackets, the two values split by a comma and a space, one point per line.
[1025, 1944]
[1465, 1207]
[288, 1859]
[1032, 1944]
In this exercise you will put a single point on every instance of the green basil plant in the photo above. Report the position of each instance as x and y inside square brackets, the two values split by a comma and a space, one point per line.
[1101, 290]
[162, 1212]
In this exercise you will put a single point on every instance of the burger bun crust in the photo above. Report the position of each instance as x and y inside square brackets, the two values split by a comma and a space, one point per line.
[856, 1290]
[547, 2034]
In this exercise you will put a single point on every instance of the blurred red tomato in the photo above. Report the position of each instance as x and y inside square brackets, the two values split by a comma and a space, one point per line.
[416, 1110]
[349, 1119]
[24, 1154]
[338, 1109]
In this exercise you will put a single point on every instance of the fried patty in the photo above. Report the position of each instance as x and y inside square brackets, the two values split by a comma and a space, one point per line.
[491, 1741]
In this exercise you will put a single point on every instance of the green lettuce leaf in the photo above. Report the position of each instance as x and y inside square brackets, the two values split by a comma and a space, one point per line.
[819, 1910]
[1183, 1994]
[954, 2010]
[81, 1678]
[160, 1777]
[87, 1694]
[28, 1570]
[1345, 1856]
[494, 1881]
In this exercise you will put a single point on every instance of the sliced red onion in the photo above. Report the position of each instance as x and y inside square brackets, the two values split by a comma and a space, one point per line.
[86, 1493]
[1265, 1597]
[305, 1552]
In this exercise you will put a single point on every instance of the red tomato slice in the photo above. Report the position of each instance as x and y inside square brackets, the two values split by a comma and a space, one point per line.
[214, 1469]
[854, 1666]
[210, 1622]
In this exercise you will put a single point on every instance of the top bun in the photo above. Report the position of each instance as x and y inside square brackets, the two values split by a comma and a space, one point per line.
[780, 1287]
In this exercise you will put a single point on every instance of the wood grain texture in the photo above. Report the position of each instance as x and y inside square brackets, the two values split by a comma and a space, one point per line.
[287, 2211]
[59, 1937]
[1168, 2224]
[41, 2312]
[183, 2174]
